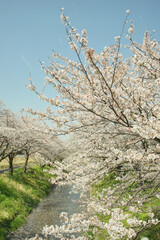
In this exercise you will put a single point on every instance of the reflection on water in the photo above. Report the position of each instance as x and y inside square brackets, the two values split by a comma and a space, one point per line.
[48, 211]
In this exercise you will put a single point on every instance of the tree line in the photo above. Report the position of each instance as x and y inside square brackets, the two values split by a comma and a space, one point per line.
[26, 136]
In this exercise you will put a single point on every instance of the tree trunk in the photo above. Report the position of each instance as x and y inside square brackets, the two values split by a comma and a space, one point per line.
[10, 164]
[157, 139]
[26, 162]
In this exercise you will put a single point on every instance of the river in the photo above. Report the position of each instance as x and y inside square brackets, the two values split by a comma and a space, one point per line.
[48, 211]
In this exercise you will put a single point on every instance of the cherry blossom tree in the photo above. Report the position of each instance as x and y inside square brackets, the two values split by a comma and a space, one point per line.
[105, 88]
[39, 140]
[12, 140]
[28, 136]
[112, 105]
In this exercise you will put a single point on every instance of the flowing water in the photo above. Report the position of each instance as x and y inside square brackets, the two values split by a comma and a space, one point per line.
[48, 211]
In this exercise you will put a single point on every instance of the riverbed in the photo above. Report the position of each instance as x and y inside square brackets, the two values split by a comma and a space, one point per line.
[48, 211]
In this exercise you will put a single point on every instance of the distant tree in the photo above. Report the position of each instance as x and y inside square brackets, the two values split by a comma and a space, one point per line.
[12, 140]
[40, 140]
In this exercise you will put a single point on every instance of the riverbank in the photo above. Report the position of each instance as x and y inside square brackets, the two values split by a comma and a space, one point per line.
[109, 182]
[48, 213]
[19, 194]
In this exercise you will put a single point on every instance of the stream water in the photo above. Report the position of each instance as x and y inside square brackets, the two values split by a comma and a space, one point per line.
[48, 211]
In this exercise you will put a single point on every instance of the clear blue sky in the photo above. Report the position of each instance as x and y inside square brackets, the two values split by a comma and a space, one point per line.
[30, 29]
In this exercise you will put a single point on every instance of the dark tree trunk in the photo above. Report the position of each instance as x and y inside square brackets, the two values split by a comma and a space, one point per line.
[157, 139]
[26, 163]
[10, 164]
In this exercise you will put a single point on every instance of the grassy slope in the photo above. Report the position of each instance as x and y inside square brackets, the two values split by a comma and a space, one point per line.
[18, 195]
[109, 181]
[18, 161]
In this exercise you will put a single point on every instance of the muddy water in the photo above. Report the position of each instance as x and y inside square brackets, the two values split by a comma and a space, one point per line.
[48, 211]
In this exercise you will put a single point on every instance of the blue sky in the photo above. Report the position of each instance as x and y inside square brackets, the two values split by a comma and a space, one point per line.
[30, 29]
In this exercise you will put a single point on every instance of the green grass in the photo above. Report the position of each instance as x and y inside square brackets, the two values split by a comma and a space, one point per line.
[19, 194]
[18, 161]
[110, 181]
